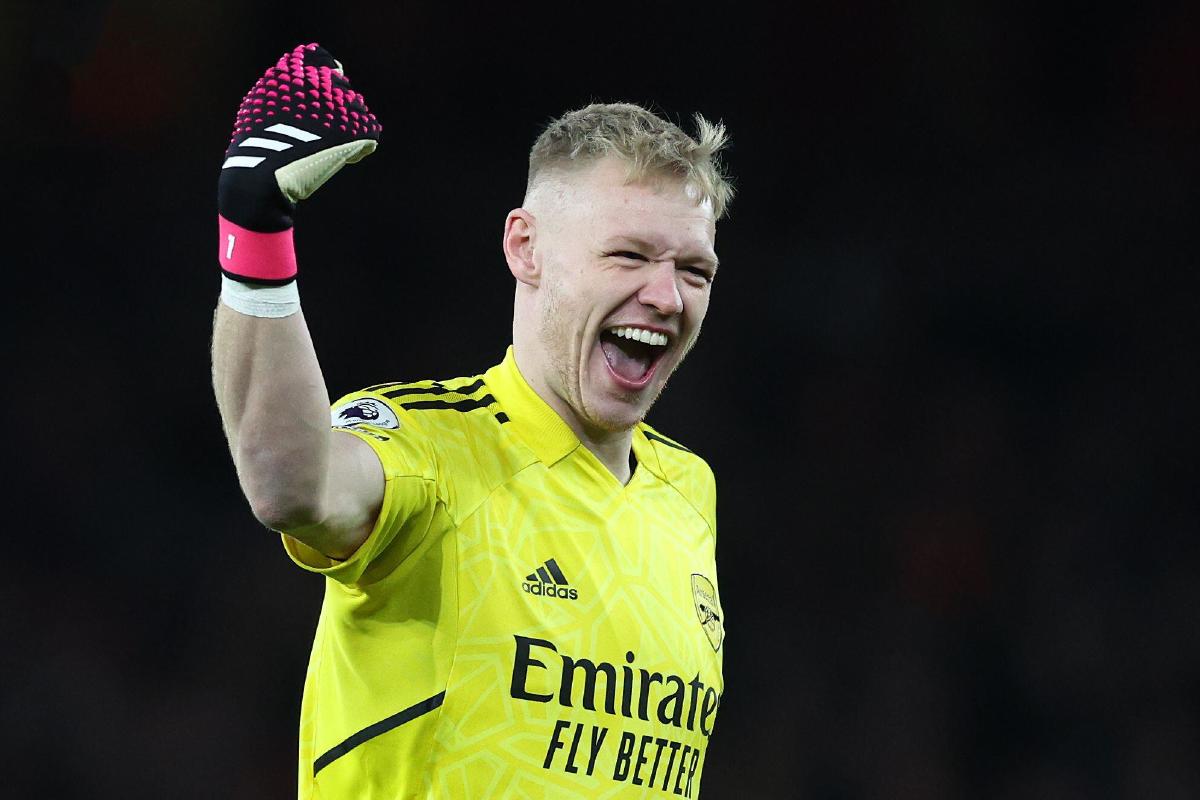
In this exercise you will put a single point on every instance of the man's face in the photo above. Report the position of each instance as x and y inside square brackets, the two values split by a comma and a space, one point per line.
[626, 272]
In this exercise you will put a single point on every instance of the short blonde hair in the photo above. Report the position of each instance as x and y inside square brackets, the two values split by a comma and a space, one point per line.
[651, 146]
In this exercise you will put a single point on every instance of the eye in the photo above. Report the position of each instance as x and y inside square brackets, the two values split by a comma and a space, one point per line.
[629, 254]
[698, 274]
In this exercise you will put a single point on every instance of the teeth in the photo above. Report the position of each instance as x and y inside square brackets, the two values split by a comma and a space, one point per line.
[641, 335]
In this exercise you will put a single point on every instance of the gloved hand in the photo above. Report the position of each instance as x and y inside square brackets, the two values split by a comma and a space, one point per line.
[296, 127]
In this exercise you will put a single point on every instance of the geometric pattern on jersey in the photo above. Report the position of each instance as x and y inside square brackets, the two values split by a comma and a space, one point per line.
[517, 623]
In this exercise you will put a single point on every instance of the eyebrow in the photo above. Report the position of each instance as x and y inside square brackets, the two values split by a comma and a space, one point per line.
[709, 258]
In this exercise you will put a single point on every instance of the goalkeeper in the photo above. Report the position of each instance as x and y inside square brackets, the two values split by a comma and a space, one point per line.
[521, 594]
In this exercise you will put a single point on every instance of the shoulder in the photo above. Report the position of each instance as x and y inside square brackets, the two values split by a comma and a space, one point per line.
[431, 406]
[685, 470]
[675, 456]
[456, 422]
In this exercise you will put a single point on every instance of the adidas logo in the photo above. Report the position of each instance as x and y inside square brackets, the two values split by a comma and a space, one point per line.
[548, 580]
[268, 144]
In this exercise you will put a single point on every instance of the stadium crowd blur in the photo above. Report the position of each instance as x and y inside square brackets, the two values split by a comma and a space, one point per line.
[947, 383]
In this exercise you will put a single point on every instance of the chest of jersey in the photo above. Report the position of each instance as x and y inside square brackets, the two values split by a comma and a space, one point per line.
[588, 655]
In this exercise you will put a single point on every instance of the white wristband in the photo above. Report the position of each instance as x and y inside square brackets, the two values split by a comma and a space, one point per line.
[256, 300]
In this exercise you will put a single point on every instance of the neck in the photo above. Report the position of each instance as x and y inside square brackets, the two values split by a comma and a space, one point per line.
[611, 448]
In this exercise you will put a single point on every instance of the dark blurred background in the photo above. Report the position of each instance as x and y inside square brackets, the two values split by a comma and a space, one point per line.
[947, 382]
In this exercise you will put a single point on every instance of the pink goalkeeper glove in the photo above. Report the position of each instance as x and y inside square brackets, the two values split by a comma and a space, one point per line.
[295, 128]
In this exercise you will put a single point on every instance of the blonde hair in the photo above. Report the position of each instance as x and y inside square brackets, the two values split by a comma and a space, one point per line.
[651, 147]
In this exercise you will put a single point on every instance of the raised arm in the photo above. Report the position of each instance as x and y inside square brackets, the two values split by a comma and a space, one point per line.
[298, 125]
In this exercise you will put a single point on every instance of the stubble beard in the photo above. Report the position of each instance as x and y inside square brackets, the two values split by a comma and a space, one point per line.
[557, 337]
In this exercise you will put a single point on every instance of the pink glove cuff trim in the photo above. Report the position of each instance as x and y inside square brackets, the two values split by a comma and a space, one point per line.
[254, 256]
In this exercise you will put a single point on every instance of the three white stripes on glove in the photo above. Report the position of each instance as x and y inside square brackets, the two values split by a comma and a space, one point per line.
[268, 144]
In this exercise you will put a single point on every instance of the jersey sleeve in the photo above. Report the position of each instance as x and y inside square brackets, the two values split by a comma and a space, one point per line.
[409, 496]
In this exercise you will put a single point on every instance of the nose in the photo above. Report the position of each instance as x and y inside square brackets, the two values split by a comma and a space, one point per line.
[661, 290]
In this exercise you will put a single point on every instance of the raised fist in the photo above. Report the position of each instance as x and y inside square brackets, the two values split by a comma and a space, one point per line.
[296, 127]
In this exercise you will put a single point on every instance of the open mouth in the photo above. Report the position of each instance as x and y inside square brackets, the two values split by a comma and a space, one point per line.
[633, 353]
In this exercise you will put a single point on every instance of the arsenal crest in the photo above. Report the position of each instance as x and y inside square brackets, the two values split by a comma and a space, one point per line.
[705, 596]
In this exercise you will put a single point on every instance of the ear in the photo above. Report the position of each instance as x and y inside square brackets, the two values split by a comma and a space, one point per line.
[520, 231]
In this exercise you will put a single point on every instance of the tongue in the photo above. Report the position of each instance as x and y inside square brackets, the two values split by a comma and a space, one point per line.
[630, 366]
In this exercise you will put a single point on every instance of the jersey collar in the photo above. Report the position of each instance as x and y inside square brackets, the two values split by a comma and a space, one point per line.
[540, 427]
[537, 424]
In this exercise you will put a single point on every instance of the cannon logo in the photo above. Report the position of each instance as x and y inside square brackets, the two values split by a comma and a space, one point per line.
[364, 411]
[705, 596]
[548, 581]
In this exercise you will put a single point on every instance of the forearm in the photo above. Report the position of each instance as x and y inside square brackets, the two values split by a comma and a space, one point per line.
[268, 384]
[275, 410]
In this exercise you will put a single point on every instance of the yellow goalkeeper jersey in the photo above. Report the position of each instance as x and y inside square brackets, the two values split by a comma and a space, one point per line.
[518, 624]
